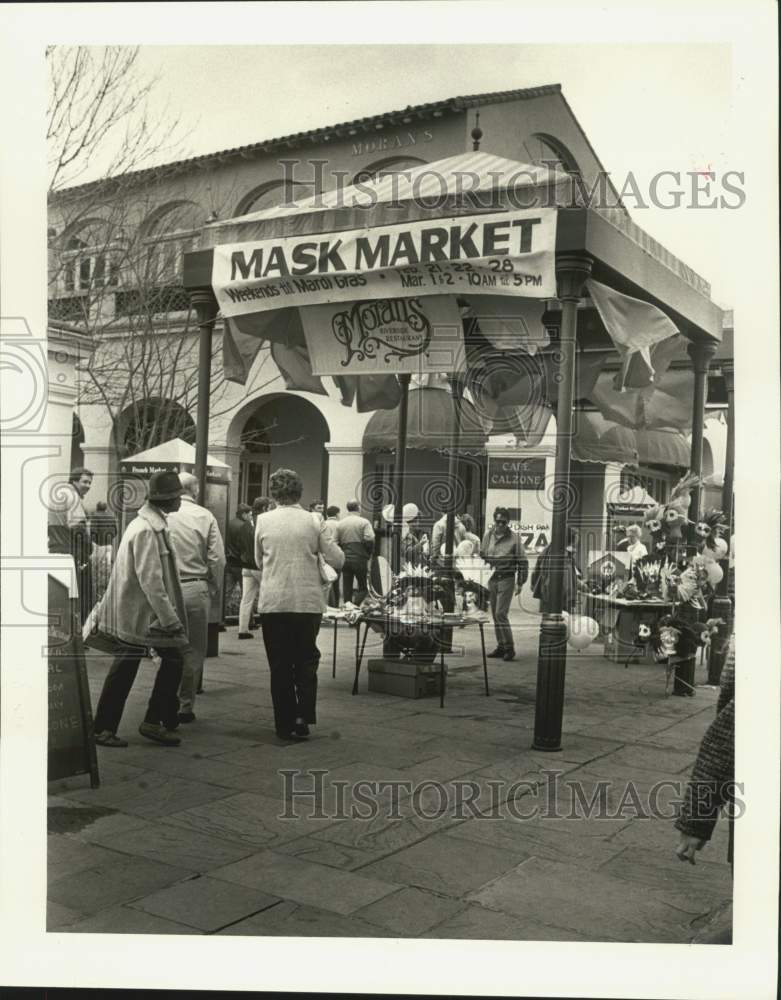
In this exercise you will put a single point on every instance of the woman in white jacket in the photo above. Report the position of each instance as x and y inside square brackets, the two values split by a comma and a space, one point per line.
[288, 544]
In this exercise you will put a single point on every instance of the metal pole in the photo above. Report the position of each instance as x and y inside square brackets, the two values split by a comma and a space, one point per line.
[456, 383]
[722, 603]
[205, 305]
[571, 272]
[701, 355]
[401, 455]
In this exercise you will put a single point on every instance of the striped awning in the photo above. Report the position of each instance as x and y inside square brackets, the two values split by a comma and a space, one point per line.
[456, 185]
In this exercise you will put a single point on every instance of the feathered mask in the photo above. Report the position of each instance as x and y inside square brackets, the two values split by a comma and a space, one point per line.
[670, 517]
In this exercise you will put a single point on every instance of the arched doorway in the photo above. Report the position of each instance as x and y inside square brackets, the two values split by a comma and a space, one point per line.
[150, 422]
[283, 431]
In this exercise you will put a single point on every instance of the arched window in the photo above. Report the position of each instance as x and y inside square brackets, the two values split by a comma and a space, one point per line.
[387, 166]
[90, 257]
[271, 194]
[168, 233]
[546, 150]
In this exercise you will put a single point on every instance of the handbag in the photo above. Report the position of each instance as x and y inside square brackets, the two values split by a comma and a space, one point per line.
[327, 573]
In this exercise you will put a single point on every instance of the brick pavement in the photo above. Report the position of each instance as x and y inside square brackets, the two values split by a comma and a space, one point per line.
[193, 840]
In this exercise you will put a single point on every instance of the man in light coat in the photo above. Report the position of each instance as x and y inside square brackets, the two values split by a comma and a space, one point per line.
[144, 606]
[355, 537]
[200, 556]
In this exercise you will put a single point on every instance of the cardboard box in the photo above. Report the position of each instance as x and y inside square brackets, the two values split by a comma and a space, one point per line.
[404, 678]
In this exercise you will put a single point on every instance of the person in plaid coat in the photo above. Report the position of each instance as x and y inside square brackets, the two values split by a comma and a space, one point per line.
[711, 785]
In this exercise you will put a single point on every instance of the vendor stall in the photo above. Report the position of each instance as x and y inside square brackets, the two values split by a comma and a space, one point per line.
[377, 283]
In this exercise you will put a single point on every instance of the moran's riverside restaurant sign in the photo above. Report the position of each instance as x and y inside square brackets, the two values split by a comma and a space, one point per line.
[506, 253]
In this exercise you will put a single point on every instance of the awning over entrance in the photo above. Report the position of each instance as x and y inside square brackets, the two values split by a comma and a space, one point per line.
[430, 424]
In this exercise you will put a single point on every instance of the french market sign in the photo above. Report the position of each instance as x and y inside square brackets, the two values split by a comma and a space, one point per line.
[516, 474]
[504, 253]
[416, 335]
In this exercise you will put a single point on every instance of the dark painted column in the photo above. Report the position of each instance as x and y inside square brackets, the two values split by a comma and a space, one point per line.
[401, 456]
[722, 604]
[571, 273]
[456, 383]
[205, 305]
[701, 355]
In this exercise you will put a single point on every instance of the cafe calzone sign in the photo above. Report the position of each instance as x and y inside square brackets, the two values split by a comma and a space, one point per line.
[415, 335]
[504, 253]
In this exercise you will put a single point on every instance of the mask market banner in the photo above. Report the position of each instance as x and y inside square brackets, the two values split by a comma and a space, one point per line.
[504, 253]
[381, 336]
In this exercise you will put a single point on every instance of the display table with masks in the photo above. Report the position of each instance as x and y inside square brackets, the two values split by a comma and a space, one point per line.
[619, 623]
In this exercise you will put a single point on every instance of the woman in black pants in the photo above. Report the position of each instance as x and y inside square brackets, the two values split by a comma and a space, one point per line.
[288, 544]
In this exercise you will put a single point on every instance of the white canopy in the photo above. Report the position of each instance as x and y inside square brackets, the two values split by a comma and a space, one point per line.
[174, 451]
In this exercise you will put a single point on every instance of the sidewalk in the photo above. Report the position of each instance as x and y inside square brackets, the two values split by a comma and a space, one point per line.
[189, 840]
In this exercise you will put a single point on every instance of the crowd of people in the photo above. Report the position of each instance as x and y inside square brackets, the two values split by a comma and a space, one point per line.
[171, 574]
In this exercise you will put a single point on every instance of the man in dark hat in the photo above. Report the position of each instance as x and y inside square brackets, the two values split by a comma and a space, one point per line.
[143, 607]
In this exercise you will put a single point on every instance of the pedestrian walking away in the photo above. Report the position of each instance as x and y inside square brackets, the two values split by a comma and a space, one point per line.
[288, 546]
[201, 560]
[355, 537]
[143, 607]
[250, 574]
[235, 552]
[503, 550]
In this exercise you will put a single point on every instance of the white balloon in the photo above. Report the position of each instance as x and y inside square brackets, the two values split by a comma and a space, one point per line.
[579, 640]
[581, 631]
[409, 512]
[715, 573]
[387, 512]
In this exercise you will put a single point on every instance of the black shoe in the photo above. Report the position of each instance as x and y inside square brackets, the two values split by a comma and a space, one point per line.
[497, 654]
[187, 716]
[222, 628]
[246, 635]
[301, 731]
[199, 691]
[509, 654]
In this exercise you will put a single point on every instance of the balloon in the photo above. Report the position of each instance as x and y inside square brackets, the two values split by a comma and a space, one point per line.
[581, 631]
[408, 512]
[465, 549]
[715, 573]
[720, 548]
[579, 641]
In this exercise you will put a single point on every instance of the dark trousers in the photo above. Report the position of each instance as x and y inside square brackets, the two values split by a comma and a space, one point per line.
[293, 656]
[354, 578]
[500, 592]
[163, 704]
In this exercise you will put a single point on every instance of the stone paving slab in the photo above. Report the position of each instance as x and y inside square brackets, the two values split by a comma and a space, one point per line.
[160, 841]
[307, 883]
[67, 856]
[445, 864]
[120, 881]
[410, 912]
[479, 924]
[290, 919]
[588, 902]
[249, 819]
[536, 839]
[126, 920]
[161, 814]
[205, 903]
[152, 794]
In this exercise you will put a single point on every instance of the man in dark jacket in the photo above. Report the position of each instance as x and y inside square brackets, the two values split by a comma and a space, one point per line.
[503, 550]
[236, 550]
